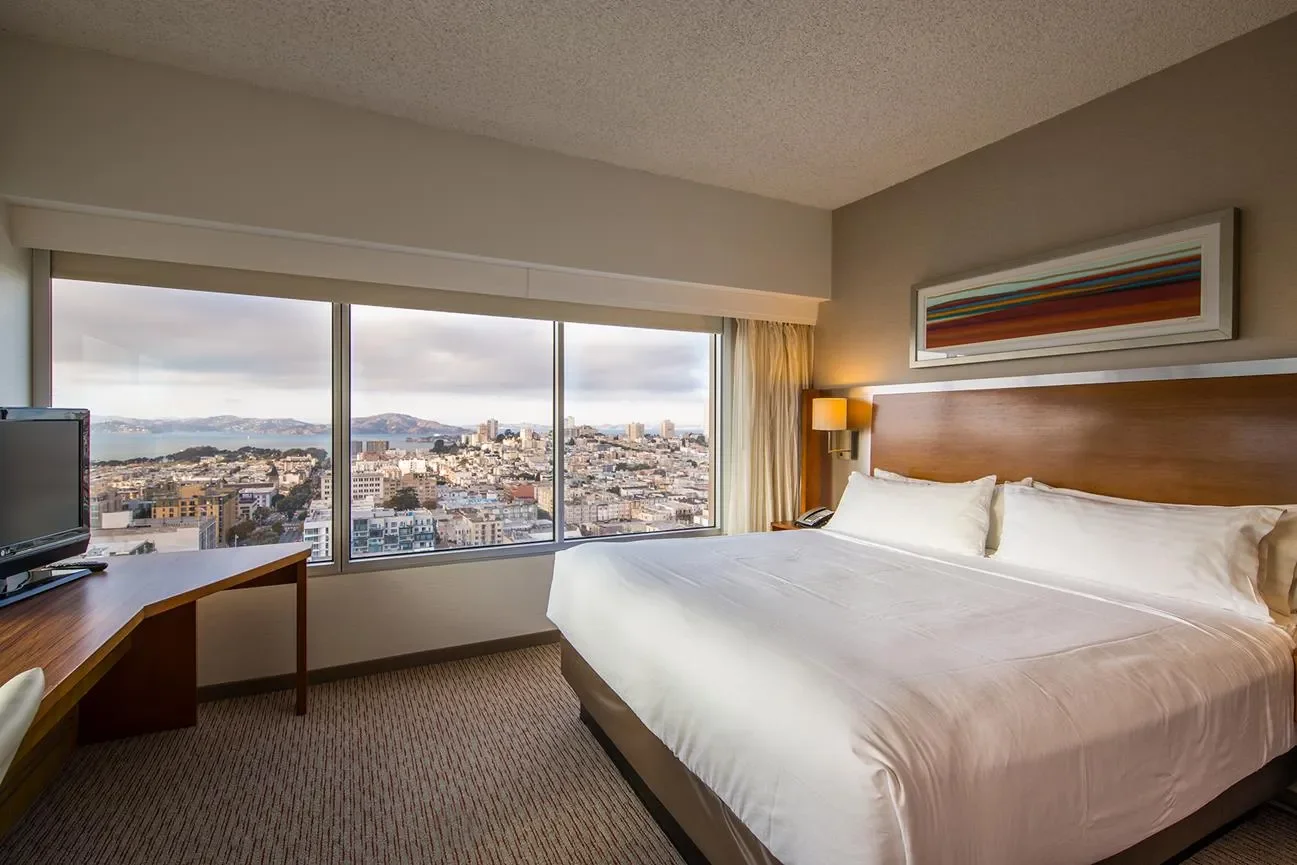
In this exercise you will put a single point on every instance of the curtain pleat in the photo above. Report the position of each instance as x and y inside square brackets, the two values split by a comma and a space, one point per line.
[771, 368]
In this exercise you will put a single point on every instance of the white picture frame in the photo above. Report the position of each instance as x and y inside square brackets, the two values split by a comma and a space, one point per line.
[1211, 239]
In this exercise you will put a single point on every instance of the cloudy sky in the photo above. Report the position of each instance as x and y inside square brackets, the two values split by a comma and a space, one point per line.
[154, 353]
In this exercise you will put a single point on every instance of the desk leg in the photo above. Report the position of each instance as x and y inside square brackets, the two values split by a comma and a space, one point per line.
[153, 687]
[301, 638]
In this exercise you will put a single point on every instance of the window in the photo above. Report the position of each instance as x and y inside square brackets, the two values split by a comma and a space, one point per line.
[373, 433]
[637, 448]
[451, 431]
[210, 413]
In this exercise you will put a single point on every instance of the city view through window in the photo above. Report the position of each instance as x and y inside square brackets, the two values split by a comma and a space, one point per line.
[211, 424]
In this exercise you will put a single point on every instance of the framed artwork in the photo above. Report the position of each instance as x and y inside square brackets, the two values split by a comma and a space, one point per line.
[1166, 285]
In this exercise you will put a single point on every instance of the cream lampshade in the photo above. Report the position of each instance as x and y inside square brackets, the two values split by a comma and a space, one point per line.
[828, 413]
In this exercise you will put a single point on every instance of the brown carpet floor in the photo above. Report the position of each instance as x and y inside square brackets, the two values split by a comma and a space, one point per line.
[481, 762]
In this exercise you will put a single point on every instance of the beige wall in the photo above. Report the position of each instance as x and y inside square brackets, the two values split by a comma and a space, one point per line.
[94, 131]
[90, 129]
[15, 321]
[357, 617]
[1217, 131]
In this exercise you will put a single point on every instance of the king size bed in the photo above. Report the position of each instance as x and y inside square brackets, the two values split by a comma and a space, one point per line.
[829, 697]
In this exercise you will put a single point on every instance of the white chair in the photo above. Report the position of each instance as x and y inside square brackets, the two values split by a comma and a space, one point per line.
[19, 699]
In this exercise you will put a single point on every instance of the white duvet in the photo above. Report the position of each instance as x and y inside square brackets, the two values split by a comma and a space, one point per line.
[854, 703]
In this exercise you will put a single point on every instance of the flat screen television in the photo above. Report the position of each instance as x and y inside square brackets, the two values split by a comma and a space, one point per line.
[44, 489]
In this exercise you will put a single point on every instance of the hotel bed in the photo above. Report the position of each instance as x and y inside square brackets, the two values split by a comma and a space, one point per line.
[812, 698]
[851, 702]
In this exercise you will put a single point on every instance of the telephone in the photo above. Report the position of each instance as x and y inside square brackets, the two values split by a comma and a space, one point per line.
[814, 518]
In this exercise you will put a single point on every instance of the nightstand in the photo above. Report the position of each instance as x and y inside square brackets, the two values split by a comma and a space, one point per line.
[784, 526]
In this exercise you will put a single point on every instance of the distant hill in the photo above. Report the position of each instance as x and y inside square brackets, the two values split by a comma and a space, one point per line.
[218, 423]
[376, 425]
[392, 424]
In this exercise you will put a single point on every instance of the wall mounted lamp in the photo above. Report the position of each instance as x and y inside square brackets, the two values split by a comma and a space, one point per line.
[829, 414]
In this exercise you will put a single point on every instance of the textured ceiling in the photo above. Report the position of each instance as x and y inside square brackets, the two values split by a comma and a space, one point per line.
[820, 102]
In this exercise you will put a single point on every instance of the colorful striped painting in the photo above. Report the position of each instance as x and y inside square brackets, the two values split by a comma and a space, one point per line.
[1158, 285]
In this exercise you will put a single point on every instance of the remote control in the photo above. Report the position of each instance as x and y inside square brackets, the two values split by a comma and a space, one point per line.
[93, 565]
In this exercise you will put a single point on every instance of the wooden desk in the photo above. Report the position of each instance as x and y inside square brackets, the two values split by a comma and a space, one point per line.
[120, 653]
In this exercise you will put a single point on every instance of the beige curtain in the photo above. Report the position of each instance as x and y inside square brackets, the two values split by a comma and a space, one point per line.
[771, 368]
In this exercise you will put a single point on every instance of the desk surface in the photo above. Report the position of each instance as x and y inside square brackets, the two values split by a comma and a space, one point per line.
[70, 629]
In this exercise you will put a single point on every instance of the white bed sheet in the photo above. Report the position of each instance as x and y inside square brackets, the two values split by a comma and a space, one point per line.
[854, 703]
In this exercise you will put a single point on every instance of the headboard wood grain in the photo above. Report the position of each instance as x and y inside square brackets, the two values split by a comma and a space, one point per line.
[1220, 441]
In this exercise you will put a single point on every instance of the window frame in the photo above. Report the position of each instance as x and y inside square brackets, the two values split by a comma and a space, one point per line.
[42, 324]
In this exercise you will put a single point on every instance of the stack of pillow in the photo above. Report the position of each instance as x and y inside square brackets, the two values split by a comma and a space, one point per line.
[1242, 559]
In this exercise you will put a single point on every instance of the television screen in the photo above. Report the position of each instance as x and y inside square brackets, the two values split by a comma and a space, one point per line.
[44, 486]
[40, 473]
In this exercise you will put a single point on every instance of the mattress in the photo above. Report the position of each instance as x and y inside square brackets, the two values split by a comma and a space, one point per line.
[852, 702]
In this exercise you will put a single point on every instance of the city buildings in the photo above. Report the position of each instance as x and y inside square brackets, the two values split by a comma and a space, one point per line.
[253, 498]
[103, 501]
[138, 537]
[382, 531]
[318, 532]
[194, 501]
[417, 497]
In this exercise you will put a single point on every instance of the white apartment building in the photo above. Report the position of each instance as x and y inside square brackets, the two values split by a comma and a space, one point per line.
[292, 478]
[374, 531]
[161, 536]
[635, 431]
[259, 496]
[596, 511]
[463, 530]
[667, 429]
[318, 532]
[252, 498]
[513, 512]
[368, 484]
[661, 511]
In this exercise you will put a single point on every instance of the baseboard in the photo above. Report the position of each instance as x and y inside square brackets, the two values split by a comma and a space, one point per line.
[284, 682]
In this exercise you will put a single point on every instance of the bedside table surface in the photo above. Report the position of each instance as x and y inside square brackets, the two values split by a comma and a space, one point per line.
[784, 526]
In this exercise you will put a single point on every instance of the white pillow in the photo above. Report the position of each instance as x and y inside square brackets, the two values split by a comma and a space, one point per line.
[1279, 564]
[952, 517]
[997, 501]
[1277, 572]
[1204, 554]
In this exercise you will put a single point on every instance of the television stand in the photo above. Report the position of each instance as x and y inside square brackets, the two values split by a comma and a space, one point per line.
[28, 584]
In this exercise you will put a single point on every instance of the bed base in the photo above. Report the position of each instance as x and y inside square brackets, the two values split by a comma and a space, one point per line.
[706, 832]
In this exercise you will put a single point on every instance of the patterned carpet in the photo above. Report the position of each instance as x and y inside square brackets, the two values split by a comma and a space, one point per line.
[480, 762]
[1268, 838]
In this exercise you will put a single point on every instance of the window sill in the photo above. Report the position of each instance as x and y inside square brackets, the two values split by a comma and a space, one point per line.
[479, 554]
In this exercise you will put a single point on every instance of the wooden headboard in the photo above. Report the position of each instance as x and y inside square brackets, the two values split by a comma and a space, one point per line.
[1222, 441]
